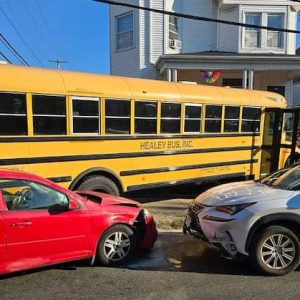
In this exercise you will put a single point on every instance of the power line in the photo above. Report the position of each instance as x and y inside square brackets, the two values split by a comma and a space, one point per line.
[192, 17]
[36, 24]
[47, 26]
[20, 36]
[11, 48]
[5, 57]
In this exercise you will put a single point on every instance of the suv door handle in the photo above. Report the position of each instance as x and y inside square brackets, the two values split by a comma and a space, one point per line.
[21, 224]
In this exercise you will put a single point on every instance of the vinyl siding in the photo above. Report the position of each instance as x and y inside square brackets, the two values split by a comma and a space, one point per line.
[197, 36]
[228, 36]
[124, 62]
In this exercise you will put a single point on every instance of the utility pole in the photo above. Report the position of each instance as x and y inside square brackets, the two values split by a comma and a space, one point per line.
[58, 63]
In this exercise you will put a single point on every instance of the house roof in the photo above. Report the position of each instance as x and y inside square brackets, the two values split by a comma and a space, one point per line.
[229, 60]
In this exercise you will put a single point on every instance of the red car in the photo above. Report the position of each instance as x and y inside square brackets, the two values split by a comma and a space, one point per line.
[42, 223]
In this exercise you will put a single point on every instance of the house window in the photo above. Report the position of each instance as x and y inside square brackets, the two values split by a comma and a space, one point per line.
[275, 38]
[263, 39]
[124, 31]
[173, 28]
[233, 82]
[252, 35]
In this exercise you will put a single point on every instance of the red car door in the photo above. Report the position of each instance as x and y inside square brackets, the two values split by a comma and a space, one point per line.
[2, 245]
[40, 227]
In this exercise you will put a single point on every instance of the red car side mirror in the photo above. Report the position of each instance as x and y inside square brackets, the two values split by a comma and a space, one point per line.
[73, 204]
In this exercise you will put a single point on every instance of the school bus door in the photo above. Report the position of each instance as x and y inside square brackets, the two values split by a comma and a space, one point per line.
[279, 139]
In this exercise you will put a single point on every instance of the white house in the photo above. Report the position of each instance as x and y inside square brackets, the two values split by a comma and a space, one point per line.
[151, 45]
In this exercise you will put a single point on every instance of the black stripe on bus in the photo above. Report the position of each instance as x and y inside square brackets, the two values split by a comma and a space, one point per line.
[198, 180]
[116, 138]
[53, 159]
[60, 179]
[188, 167]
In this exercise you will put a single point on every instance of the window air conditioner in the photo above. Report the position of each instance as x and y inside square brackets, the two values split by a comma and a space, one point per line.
[175, 44]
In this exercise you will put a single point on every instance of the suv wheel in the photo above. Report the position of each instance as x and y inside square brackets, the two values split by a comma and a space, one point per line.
[275, 251]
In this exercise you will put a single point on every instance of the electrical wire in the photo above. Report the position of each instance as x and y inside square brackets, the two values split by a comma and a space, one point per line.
[5, 57]
[198, 18]
[20, 36]
[11, 48]
[59, 49]
[36, 25]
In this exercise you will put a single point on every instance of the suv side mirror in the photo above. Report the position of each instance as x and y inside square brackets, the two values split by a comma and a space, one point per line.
[73, 204]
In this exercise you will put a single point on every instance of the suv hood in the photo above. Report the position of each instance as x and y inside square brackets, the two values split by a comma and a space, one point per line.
[241, 192]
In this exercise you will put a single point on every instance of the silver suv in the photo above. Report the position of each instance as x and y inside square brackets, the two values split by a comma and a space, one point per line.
[259, 219]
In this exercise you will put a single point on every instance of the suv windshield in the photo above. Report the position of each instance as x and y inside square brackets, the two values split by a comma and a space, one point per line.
[287, 179]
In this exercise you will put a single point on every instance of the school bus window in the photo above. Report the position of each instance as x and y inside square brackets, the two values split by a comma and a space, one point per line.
[145, 117]
[231, 119]
[170, 117]
[192, 121]
[251, 119]
[213, 116]
[13, 118]
[117, 116]
[49, 114]
[85, 115]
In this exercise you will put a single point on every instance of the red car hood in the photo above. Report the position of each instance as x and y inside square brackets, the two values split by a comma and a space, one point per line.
[106, 199]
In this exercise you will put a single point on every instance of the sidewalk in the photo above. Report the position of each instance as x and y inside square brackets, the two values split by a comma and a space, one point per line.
[168, 214]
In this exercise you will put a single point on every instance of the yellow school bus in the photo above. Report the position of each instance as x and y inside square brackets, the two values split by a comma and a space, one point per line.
[117, 134]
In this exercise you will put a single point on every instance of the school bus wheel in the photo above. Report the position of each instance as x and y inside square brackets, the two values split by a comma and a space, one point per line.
[101, 184]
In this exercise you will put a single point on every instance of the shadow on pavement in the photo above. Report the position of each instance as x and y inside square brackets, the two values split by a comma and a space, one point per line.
[183, 253]
[167, 193]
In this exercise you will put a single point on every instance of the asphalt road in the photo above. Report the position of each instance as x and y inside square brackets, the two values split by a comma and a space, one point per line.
[179, 267]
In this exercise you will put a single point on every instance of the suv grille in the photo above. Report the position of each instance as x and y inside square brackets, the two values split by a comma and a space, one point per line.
[194, 210]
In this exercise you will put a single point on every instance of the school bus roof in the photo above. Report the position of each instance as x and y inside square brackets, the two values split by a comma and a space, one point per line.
[49, 81]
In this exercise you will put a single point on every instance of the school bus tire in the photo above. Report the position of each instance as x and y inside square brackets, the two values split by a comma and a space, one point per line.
[101, 184]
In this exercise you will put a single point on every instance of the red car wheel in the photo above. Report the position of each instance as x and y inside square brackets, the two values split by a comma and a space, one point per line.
[117, 244]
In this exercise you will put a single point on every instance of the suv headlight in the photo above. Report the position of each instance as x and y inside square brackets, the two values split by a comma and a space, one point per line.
[146, 213]
[233, 209]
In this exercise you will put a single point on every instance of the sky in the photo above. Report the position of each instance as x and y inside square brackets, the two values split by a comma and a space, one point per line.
[73, 30]
[76, 31]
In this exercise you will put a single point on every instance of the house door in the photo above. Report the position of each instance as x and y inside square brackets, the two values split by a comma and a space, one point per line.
[277, 89]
